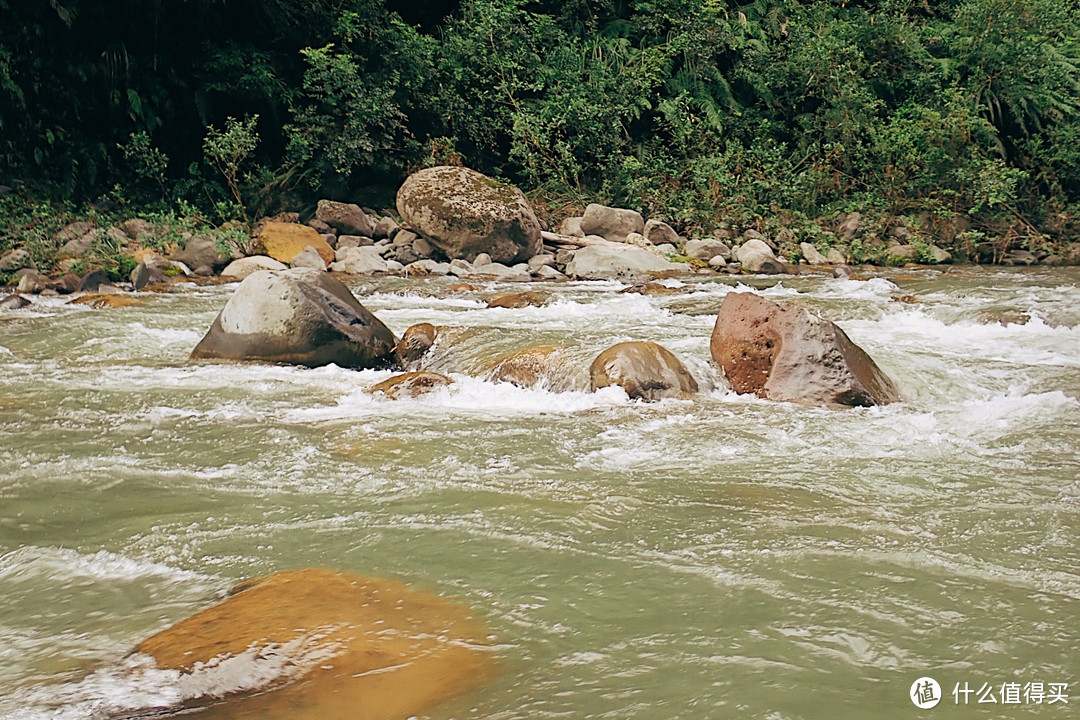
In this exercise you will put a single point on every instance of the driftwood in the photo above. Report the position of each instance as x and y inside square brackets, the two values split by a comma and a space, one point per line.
[579, 242]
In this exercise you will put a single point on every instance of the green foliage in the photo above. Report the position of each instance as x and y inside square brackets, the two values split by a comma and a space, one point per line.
[699, 111]
[229, 150]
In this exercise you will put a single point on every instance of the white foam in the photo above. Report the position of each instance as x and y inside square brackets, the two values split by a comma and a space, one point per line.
[62, 563]
[468, 396]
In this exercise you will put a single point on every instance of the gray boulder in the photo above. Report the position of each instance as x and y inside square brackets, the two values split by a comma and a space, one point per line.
[572, 226]
[201, 251]
[610, 223]
[757, 257]
[309, 257]
[240, 269]
[464, 213]
[940, 256]
[835, 256]
[360, 261]
[619, 262]
[658, 233]
[299, 317]
[14, 302]
[812, 255]
[346, 218]
[706, 249]
[31, 282]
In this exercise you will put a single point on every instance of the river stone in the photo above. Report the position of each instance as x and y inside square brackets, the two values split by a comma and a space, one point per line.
[940, 256]
[92, 280]
[757, 257]
[532, 367]
[706, 249]
[787, 353]
[360, 261]
[410, 385]
[14, 302]
[610, 223]
[240, 269]
[346, 218]
[530, 298]
[201, 251]
[284, 241]
[31, 282]
[572, 226]
[812, 255]
[105, 300]
[658, 233]
[309, 258]
[321, 644]
[618, 262]
[546, 272]
[464, 213]
[415, 342]
[835, 256]
[301, 317]
[645, 370]
[65, 284]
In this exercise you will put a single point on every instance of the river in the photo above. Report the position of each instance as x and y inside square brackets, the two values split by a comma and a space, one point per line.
[721, 557]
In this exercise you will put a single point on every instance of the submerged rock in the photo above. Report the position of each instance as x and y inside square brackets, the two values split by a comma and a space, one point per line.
[14, 302]
[411, 384]
[535, 366]
[789, 354]
[105, 300]
[327, 645]
[299, 316]
[519, 300]
[645, 370]
[415, 342]
[465, 213]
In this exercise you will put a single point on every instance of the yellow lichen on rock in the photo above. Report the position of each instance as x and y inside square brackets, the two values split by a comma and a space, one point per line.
[284, 241]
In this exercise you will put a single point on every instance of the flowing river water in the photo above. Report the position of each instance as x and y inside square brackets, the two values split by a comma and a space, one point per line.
[721, 557]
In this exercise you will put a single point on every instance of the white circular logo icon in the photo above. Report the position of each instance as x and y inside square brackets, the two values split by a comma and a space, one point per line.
[925, 693]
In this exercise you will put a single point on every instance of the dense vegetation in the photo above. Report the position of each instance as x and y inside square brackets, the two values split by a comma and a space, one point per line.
[700, 111]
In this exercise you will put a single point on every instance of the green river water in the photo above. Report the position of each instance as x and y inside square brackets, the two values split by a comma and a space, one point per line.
[725, 557]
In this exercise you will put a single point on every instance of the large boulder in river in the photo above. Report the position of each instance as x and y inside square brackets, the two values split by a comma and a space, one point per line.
[619, 262]
[790, 354]
[645, 370]
[613, 224]
[410, 385]
[757, 257]
[321, 644]
[301, 317]
[415, 342]
[465, 213]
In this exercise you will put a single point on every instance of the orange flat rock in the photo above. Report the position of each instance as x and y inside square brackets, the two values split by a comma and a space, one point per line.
[284, 241]
[325, 645]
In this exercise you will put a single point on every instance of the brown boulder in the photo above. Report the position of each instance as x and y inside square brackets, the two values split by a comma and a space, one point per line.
[411, 384]
[415, 341]
[531, 367]
[105, 300]
[321, 644]
[645, 370]
[518, 300]
[284, 241]
[465, 213]
[789, 354]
